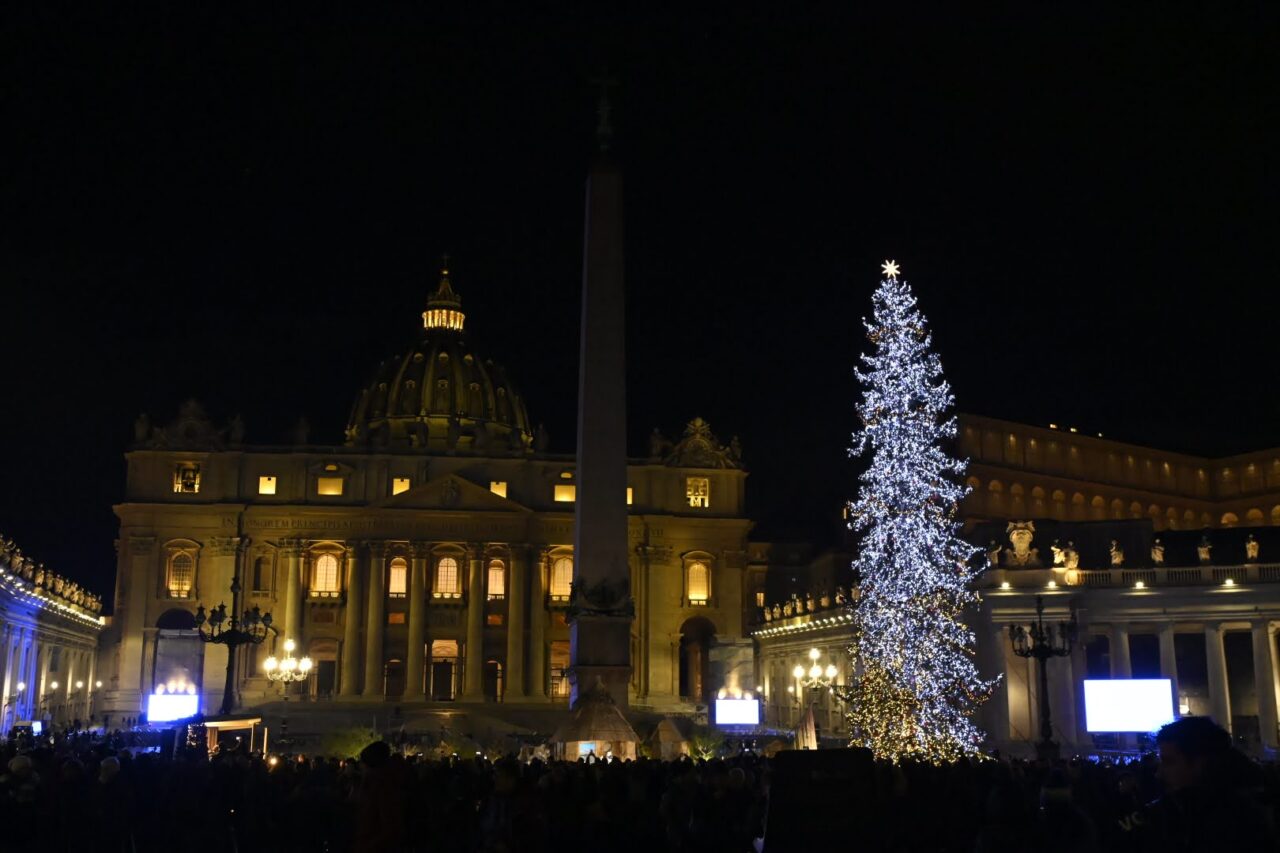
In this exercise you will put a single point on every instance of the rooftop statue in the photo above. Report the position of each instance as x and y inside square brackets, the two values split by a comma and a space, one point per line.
[1117, 554]
[1070, 556]
[699, 448]
[1021, 554]
[1205, 549]
[1157, 552]
[1251, 548]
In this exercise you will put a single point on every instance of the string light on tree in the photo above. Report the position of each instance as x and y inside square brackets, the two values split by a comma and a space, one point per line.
[915, 685]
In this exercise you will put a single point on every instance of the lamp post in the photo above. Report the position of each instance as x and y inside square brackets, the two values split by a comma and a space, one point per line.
[1042, 642]
[286, 672]
[817, 677]
[216, 627]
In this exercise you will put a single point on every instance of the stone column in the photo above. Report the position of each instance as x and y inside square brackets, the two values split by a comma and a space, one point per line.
[413, 659]
[538, 628]
[377, 580]
[291, 554]
[473, 675]
[1121, 666]
[517, 582]
[999, 701]
[349, 677]
[1219, 692]
[1169, 660]
[1264, 678]
[137, 568]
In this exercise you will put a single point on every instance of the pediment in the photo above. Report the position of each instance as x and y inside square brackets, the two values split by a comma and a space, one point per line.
[454, 494]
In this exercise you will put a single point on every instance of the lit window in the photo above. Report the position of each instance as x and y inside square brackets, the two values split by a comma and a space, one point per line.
[497, 580]
[266, 485]
[566, 493]
[398, 578]
[629, 495]
[328, 485]
[760, 598]
[566, 475]
[561, 578]
[698, 491]
[182, 572]
[186, 479]
[325, 577]
[398, 485]
[447, 578]
[498, 487]
[395, 618]
[494, 619]
[699, 583]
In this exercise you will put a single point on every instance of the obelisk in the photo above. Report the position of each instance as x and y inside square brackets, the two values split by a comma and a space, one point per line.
[601, 609]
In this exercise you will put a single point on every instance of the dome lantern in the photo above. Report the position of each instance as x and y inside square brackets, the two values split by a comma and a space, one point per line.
[444, 307]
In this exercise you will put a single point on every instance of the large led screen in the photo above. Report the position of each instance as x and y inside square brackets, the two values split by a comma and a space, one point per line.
[165, 707]
[737, 712]
[1127, 704]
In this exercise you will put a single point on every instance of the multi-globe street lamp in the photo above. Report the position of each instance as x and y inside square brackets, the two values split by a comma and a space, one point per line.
[816, 677]
[287, 672]
[1042, 642]
[218, 628]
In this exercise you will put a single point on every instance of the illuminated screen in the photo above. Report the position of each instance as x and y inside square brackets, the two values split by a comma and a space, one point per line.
[37, 727]
[163, 707]
[586, 747]
[1127, 704]
[737, 712]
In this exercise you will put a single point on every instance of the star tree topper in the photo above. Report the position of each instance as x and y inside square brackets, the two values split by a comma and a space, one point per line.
[890, 270]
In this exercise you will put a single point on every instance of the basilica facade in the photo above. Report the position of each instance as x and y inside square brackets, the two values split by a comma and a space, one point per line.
[428, 557]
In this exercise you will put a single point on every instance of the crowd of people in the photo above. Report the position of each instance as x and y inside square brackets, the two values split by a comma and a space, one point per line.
[92, 793]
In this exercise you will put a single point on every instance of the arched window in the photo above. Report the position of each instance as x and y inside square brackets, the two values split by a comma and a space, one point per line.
[699, 583]
[181, 574]
[561, 578]
[497, 580]
[324, 579]
[262, 574]
[447, 578]
[397, 581]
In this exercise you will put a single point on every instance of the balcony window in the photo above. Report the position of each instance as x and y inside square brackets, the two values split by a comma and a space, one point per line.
[497, 580]
[266, 485]
[566, 493]
[186, 479]
[181, 574]
[447, 578]
[397, 578]
[561, 578]
[699, 583]
[324, 577]
[498, 487]
[399, 485]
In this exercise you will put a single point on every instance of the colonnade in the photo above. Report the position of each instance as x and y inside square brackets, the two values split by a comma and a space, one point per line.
[365, 567]
[28, 657]
[1014, 708]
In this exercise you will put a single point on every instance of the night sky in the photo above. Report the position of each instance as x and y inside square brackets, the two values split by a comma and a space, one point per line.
[252, 213]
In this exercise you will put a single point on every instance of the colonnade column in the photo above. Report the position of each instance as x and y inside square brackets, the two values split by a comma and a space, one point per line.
[516, 584]
[375, 628]
[349, 677]
[538, 628]
[1121, 667]
[413, 659]
[291, 551]
[1169, 660]
[472, 679]
[1264, 679]
[999, 701]
[1216, 658]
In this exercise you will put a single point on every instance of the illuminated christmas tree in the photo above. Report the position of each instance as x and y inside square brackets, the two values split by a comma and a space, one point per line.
[915, 685]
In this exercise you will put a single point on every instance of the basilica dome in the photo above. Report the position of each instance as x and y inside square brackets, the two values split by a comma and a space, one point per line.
[442, 394]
